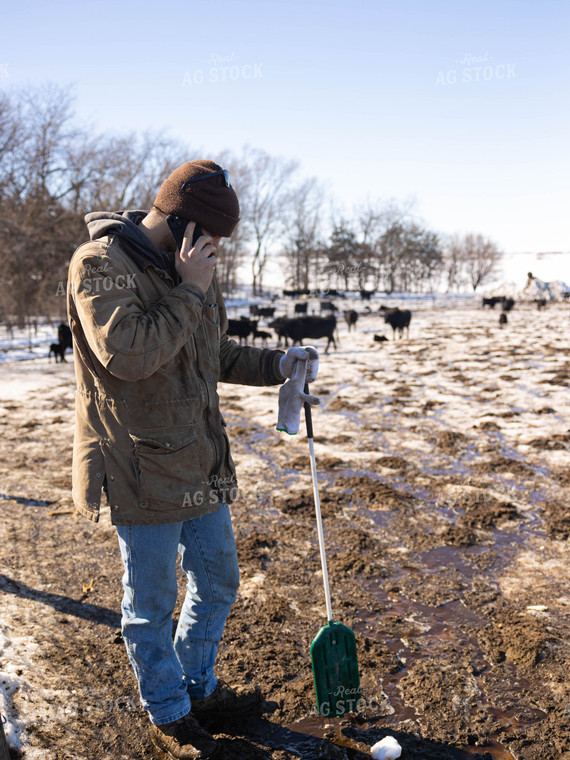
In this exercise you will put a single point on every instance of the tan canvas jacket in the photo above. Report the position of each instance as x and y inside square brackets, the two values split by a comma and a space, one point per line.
[148, 357]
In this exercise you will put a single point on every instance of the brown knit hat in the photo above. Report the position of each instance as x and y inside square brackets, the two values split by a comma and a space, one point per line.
[208, 202]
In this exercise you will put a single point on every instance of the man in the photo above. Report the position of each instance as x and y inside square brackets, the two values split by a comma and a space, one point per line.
[148, 323]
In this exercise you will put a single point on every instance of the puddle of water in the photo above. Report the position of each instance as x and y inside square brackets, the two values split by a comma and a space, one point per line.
[449, 556]
[428, 627]
[510, 721]
[302, 738]
[496, 750]
[315, 728]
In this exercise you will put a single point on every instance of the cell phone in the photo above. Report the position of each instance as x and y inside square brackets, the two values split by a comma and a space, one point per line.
[178, 227]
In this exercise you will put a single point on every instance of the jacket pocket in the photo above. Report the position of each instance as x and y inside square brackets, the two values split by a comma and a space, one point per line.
[168, 466]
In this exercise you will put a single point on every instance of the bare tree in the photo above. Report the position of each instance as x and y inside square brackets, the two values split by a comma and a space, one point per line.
[370, 224]
[233, 252]
[51, 173]
[11, 137]
[427, 257]
[34, 182]
[342, 255]
[453, 263]
[302, 246]
[267, 204]
[231, 255]
[392, 250]
[380, 225]
[481, 259]
[410, 257]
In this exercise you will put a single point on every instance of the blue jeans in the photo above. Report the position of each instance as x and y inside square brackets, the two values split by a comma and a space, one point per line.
[170, 672]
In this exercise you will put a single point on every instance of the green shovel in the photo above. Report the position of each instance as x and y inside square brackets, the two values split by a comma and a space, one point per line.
[333, 650]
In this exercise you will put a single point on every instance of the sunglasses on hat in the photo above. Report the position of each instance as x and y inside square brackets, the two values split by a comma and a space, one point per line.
[225, 172]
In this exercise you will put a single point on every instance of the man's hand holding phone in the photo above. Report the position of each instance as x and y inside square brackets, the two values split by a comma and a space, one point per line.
[196, 257]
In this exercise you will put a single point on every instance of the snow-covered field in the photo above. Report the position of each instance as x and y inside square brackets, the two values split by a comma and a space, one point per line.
[468, 407]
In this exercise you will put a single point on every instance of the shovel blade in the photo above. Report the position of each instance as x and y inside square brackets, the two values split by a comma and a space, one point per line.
[335, 670]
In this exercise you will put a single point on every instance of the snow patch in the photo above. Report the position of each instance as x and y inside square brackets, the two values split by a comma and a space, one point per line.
[386, 749]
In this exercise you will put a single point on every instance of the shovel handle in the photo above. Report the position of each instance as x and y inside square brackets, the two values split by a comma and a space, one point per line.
[309, 423]
[308, 415]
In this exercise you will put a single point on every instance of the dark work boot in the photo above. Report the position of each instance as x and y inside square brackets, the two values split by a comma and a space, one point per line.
[227, 702]
[185, 739]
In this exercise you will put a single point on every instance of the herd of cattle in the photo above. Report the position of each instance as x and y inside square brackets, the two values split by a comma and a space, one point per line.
[294, 329]
[309, 326]
[304, 326]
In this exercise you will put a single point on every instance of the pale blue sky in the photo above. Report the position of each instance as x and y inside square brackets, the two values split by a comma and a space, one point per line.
[362, 93]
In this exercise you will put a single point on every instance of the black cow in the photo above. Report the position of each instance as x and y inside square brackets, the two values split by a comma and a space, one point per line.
[64, 337]
[503, 319]
[492, 301]
[261, 311]
[540, 303]
[398, 319]
[300, 308]
[299, 328]
[297, 293]
[351, 317]
[276, 325]
[506, 302]
[263, 334]
[366, 295]
[241, 328]
[328, 306]
[57, 350]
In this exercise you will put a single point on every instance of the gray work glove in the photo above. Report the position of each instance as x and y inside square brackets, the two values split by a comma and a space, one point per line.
[304, 354]
[292, 396]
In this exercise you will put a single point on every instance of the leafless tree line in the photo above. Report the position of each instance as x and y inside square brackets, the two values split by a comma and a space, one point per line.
[383, 247]
[52, 172]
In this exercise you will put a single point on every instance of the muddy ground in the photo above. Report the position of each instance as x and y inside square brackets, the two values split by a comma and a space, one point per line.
[444, 468]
